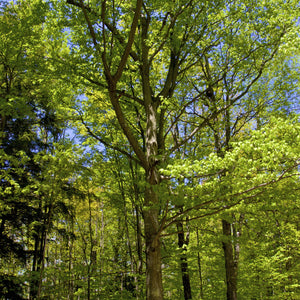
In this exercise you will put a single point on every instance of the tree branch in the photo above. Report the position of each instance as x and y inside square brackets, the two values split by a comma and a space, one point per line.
[105, 143]
[130, 41]
[174, 218]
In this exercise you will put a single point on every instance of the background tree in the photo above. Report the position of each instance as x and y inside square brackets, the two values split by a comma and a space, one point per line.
[30, 129]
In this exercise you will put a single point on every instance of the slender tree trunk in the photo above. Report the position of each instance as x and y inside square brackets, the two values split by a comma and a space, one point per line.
[138, 225]
[101, 244]
[139, 250]
[34, 281]
[230, 262]
[39, 255]
[182, 244]
[93, 255]
[199, 266]
[71, 276]
[38, 264]
[128, 240]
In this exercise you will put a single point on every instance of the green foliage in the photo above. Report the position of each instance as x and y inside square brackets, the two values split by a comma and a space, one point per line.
[267, 156]
[203, 94]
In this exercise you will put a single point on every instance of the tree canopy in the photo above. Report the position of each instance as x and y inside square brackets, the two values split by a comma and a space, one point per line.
[149, 149]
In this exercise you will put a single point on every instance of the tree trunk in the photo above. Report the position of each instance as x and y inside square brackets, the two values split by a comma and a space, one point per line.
[34, 279]
[153, 246]
[199, 265]
[139, 251]
[136, 201]
[71, 274]
[230, 263]
[40, 241]
[182, 244]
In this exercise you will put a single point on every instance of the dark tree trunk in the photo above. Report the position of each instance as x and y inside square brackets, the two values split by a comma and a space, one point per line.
[139, 250]
[37, 260]
[37, 265]
[40, 242]
[34, 279]
[70, 275]
[230, 262]
[136, 201]
[182, 244]
[199, 266]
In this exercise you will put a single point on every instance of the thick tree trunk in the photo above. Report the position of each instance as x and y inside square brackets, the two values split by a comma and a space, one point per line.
[230, 263]
[153, 246]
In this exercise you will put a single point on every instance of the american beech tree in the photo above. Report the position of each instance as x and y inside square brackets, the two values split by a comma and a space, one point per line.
[165, 85]
[161, 64]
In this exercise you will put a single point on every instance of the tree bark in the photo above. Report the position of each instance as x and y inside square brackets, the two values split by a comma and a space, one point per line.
[154, 288]
[182, 244]
[71, 273]
[199, 266]
[139, 244]
[230, 263]
[39, 255]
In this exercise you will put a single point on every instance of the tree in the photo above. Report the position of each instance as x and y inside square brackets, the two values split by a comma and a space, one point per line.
[29, 132]
[253, 175]
[156, 77]
[161, 85]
